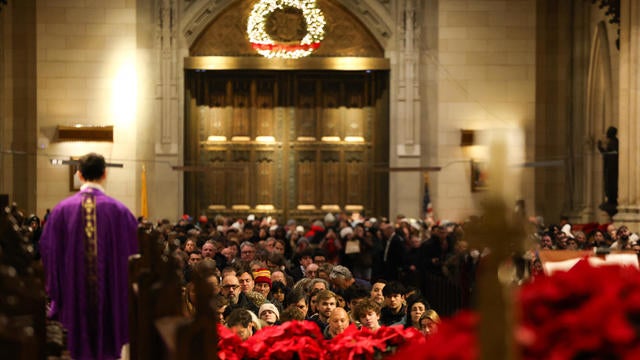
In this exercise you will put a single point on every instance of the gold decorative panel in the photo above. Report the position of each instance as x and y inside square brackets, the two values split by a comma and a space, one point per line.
[355, 178]
[265, 173]
[241, 109]
[306, 109]
[331, 114]
[306, 178]
[240, 179]
[215, 178]
[264, 108]
[331, 184]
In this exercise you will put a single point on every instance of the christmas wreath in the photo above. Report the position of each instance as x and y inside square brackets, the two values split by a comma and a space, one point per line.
[269, 47]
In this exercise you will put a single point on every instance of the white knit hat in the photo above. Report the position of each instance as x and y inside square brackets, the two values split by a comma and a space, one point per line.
[345, 231]
[269, 306]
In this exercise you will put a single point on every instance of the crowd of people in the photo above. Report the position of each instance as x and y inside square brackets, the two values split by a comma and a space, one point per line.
[337, 270]
[372, 270]
[344, 269]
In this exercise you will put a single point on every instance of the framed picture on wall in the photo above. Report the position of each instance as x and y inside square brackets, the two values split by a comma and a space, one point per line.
[74, 180]
[478, 175]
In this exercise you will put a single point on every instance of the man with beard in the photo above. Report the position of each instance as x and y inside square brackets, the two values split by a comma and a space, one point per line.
[326, 300]
[230, 289]
[622, 242]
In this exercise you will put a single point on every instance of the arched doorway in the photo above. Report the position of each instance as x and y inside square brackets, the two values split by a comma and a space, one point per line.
[287, 138]
[600, 115]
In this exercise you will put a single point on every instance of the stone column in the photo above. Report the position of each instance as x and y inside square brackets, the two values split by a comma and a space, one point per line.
[405, 187]
[629, 129]
[18, 127]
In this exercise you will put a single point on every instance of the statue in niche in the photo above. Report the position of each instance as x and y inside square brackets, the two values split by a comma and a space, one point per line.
[609, 151]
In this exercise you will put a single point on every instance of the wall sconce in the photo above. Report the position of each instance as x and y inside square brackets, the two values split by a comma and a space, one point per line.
[467, 137]
[85, 133]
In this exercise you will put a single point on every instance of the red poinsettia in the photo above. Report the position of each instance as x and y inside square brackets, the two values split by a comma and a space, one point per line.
[367, 344]
[229, 344]
[397, 335]
[454, 340]
[303, 340]
[284, 341]
[354, 343]
[586, 312]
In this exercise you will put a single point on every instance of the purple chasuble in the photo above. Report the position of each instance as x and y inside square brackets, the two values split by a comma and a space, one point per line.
[85, 247]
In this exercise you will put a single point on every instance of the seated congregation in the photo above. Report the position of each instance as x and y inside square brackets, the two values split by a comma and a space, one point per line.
[197, 283]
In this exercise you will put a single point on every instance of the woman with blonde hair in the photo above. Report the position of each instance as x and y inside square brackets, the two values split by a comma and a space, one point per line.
[429, 322]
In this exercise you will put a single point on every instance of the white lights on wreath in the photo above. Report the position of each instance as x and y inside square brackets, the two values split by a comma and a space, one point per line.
[267, 47]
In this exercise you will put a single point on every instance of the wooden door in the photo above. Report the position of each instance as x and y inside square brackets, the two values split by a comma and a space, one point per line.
[285, 143]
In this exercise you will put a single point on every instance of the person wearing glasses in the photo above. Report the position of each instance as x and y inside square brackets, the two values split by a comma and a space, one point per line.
[247, 252]
[231, 290]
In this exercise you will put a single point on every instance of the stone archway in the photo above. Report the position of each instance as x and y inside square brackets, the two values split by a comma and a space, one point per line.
[374, 15]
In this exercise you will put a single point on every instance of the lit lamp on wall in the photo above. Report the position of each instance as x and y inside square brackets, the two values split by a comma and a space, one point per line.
[467, 137]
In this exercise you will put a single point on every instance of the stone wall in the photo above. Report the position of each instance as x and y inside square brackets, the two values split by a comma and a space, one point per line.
[485, 74]
[86, 66]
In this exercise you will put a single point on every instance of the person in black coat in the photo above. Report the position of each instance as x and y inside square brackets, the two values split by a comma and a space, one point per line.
[394, 253]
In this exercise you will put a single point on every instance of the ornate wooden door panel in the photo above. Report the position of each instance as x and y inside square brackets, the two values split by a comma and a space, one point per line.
[240, 179]
[265, 182]
[284, 143]
[355, 180]
[241, 109]
[331, 114]
[215, 178]
[331, 186]
[306, 110]
[305, 180]
[264, 105]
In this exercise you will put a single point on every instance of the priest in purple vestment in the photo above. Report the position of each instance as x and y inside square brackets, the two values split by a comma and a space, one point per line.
[85, 247]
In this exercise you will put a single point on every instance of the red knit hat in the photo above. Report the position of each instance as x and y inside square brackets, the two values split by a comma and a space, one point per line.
[262, 276]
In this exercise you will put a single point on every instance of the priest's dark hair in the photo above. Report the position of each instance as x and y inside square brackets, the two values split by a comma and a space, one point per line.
[92, 166]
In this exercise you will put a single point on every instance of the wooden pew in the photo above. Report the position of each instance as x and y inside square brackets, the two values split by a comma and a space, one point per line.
[158, 327]
[22, 300]
[154, 292]
[197, 337]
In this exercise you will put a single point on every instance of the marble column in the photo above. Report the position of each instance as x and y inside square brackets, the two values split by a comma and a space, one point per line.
[629, 129]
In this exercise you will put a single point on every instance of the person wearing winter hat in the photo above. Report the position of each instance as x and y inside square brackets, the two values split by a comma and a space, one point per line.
[262, 280]
[329, 220]
[269, 313]
[566, 229]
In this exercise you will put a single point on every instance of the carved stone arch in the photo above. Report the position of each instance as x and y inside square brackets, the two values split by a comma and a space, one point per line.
[373, 15]
[600, 114]
[198, 16]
